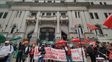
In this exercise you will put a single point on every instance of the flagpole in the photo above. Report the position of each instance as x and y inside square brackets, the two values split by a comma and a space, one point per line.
[80, 43]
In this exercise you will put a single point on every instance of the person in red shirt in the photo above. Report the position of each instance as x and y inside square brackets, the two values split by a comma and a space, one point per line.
[68, 53]
[31, 53]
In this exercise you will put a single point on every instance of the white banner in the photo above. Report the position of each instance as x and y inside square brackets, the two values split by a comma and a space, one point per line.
[59, 54]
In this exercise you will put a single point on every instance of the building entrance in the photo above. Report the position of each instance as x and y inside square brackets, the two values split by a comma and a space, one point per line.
[47, 33]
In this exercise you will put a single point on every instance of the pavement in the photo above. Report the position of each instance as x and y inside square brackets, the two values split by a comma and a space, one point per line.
[88, 59]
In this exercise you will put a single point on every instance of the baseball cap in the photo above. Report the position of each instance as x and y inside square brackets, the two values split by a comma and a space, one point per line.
[7, 42]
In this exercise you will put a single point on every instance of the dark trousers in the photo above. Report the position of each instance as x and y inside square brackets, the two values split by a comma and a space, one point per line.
[92, 57]
[31, 59]
[69, 58]
[19, 57]
[4, 59]
[110, 60]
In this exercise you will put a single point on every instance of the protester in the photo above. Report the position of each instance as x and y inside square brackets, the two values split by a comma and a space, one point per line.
[6, 51]
[42, 53]
[90, 51]
[110, 53]
[15, 50]
[23, 51]
[31, 53]
[26, 50]
[68, 53]
[20, 52]
[103, 51]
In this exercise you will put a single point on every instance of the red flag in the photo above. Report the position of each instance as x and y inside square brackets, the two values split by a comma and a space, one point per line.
[91, 27]
[108, 22]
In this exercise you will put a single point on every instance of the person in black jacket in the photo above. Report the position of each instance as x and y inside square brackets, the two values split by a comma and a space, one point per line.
[21, 49]
[90, 51]
[103, 51]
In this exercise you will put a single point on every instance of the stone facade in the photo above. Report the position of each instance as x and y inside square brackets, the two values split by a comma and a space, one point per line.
[51, 18]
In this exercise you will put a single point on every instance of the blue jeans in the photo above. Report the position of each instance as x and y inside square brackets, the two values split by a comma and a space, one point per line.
[41, 59]
[9, 59]
[69, 58]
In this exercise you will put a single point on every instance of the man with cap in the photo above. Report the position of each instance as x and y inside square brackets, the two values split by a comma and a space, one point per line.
[6, 50]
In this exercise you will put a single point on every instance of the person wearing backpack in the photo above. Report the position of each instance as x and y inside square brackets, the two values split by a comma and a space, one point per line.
[68, 53]
[6, 51]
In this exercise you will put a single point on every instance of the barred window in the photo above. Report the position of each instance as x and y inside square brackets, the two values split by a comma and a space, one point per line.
[1, 14]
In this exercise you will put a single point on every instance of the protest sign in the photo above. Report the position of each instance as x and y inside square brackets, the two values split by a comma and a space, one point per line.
[36, 53]
[77, 54]
[59, 54]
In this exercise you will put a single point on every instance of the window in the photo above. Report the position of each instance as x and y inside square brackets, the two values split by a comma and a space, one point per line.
[105, 3]
[23, 0]
[91, 3]
[62, 1]
[99, 29]
[33, 14]
[79, 14]
[1, 13]
[36, 1]
[80, 29]
[5, 15]
[43, 14]
[63, 14]
[54, 14]
[101, 3]
[74, 0]
[76, 14]
[17, 13]
[91, 15]
[20, 12]
[96, 15]
[109, 13]
[106, 15]
[48, 14]
[49, 1]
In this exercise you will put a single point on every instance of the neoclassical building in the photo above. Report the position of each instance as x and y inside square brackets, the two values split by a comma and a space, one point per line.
[55, 19]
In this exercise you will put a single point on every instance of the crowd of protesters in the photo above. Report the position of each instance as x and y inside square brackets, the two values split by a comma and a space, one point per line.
[24, 49]
[103, 50]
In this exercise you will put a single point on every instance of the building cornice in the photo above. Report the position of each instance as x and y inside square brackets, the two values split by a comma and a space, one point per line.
[48, 4]
[99, 6]
[55, 6]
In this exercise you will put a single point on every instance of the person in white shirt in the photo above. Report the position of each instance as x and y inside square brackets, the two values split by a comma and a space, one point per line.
[6, 51]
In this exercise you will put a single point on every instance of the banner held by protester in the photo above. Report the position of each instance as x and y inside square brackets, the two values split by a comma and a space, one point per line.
[59, 54]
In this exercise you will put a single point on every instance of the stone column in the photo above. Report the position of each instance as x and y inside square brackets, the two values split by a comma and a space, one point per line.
[22, 26]
[58, 33]
[35, 35]
[70, 21]
[74, 18]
